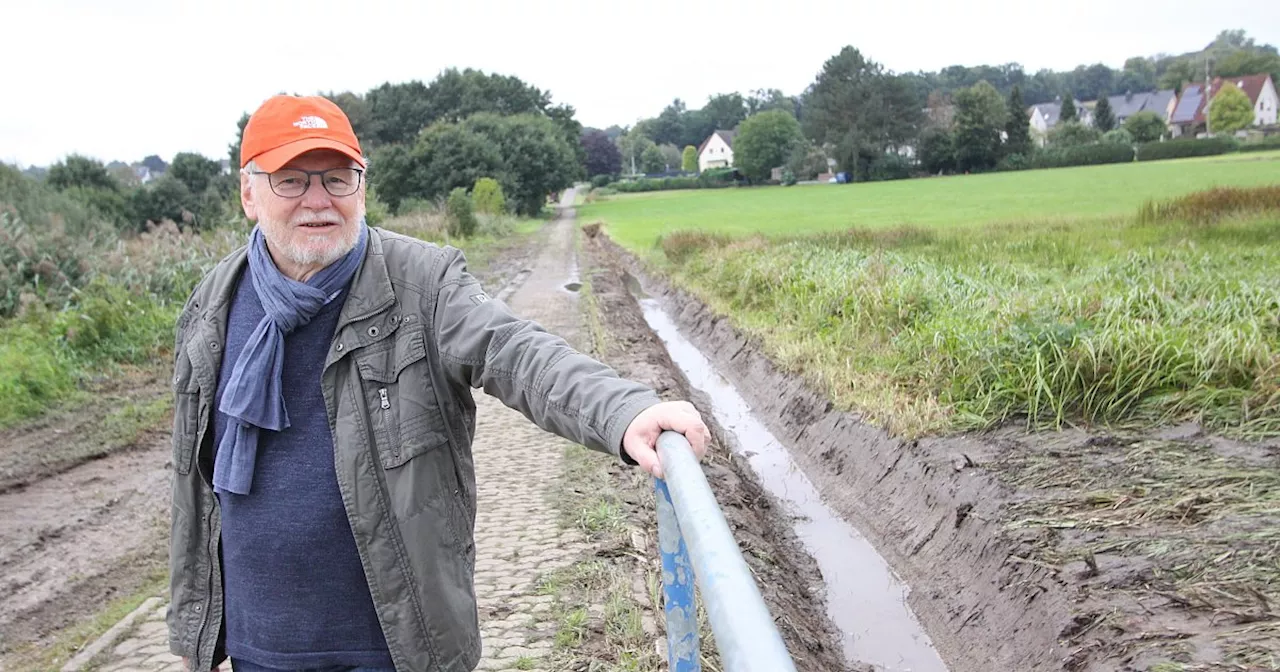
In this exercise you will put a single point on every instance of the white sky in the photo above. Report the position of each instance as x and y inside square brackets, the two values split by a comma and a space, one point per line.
[128, 78]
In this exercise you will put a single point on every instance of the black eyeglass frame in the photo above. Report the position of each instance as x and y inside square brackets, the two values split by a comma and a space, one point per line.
[359, 176]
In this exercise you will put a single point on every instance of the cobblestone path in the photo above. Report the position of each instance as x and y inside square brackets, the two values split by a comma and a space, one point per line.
[518, 538]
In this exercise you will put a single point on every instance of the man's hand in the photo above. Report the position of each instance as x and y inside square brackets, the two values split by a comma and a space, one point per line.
[641, 438]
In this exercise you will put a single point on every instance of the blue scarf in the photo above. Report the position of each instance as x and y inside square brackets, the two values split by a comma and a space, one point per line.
[254, 399]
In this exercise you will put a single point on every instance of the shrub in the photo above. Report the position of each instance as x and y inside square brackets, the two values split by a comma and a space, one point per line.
[601, 180]
[1118, 136]
[1263, 145]
[889, 167]
[1073, 134]
[1177, 149]
[1015, 162]
[487, 196]
[1083, 155]
[462, 219]
[1211, 205]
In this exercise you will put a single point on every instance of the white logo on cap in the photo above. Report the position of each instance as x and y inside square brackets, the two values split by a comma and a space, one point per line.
[310, 122]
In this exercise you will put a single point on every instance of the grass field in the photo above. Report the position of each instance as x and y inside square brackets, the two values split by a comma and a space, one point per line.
[637, 220]
[1039, 296]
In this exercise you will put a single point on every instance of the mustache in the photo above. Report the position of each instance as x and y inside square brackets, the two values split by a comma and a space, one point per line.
[318, 216]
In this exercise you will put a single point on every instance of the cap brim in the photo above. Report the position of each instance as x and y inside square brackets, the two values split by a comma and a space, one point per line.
[274, 159]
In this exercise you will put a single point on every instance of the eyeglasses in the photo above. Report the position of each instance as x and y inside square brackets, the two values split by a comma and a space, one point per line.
[292, 183]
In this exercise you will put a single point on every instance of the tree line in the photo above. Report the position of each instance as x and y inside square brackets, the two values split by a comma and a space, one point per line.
[877, 124]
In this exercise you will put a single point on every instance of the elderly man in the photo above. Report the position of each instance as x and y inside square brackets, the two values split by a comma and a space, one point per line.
[324, 497]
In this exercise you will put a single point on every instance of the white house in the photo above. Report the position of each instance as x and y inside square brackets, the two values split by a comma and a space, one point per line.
[1044, 116]
[716, 151]
[1191, 112]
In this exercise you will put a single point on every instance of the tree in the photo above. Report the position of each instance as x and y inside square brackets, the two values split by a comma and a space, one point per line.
[764, 142]
[671, 157]
[1068, 113]
[1017, 127]
[1073, 134]
[526, 153]
[854, 106]
[1118, 136]
[669, 127]
[487, 196]
[80, 171]
[1103, 118]
[602, 156]
[462, 219]
[195, 171]
[763, 100]
[632, 147]
[689, 159]
[653, 160]
[1145, 126]
[724, 111]
[980, 116]
[156, 165]
[1230, 110]
[807, 161]
[936, 151]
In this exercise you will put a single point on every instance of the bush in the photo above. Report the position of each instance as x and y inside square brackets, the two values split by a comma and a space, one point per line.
[375, 211]
[1178, 149]
[487, 196]
[462, 218]
[1118, 136]
[1073, 134]
[889, 167]
[1084, 155]
[1015, 162]
[1262, 145]
[601, 180]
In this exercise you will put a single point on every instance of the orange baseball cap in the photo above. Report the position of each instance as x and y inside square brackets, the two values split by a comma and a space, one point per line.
[284, 127]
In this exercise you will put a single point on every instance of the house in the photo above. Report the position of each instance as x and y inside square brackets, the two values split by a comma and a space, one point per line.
[1128, 104]
[1044, 116]
[716, 151]
[1190, 113]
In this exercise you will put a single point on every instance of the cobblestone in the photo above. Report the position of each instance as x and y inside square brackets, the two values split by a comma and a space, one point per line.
[518, 538]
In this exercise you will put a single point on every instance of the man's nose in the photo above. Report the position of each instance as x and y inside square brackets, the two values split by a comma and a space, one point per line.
[316, 197]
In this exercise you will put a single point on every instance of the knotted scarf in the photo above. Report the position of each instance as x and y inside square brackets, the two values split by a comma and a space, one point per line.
[254, 399]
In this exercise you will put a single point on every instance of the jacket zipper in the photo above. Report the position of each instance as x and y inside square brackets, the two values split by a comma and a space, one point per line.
[386, 421]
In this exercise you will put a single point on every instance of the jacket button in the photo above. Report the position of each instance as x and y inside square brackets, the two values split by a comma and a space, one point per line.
[213, 345]
[339, 348]
[373, 331]
[198, 607]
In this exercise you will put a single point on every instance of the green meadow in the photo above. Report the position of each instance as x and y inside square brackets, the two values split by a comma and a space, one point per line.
[638, 220]
[1122, 295]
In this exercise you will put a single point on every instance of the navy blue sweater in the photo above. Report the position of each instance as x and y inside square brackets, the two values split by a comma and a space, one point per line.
[296, 596]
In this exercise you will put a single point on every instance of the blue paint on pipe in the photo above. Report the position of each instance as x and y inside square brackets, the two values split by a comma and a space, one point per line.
[677, 588]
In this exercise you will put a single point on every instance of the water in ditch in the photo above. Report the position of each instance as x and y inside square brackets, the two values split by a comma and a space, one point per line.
[864, 598]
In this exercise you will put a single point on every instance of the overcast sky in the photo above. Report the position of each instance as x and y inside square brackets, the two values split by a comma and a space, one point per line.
[128, 78]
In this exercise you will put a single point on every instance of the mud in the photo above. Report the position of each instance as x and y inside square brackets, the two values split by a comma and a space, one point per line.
[965, 521]
[790, 579]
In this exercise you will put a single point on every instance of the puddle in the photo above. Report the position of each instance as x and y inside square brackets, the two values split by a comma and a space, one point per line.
[573, 286]
[865, 600]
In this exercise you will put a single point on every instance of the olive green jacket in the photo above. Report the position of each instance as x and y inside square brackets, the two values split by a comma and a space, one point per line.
[415, 335]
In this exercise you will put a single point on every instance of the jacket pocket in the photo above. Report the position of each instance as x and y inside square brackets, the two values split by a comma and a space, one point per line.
[401, 399]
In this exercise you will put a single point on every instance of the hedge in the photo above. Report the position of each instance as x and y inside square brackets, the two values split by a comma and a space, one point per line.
[1262, 145]
[1179, 149]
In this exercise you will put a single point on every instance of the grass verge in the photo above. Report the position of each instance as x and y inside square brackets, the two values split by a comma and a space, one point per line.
[1103, 323]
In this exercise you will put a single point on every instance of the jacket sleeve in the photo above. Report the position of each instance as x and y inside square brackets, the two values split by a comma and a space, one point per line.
[483, 344]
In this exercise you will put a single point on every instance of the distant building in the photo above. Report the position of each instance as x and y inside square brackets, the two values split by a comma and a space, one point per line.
[1190, 114]
[716, 151]
[1044, 116]
[1126, 105]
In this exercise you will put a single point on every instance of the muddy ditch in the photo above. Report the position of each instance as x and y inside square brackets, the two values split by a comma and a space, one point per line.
[789, 577]
[1065, 550]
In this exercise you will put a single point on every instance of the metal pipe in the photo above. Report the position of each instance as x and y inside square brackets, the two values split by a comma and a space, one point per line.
[746, 637]
[677, 587]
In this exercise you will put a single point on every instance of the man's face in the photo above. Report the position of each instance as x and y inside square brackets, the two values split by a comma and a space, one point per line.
[311, 230]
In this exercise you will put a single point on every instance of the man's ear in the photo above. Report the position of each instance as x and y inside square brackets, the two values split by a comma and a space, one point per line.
[246, 198]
